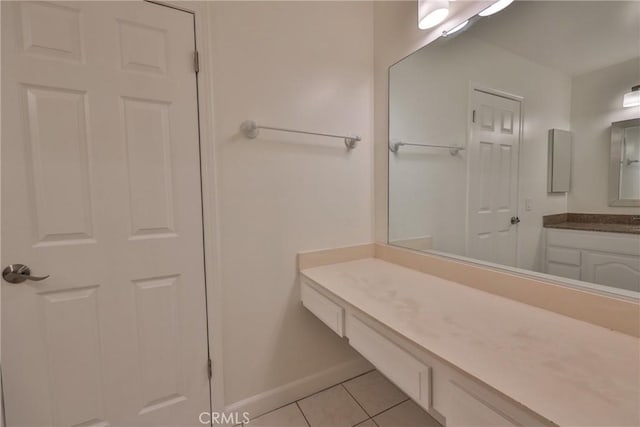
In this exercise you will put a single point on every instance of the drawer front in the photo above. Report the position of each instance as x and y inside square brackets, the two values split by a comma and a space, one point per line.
[324, 309]
[468, 410]
[563, 255]
[563, 270]
[617, 243]
[409, 374]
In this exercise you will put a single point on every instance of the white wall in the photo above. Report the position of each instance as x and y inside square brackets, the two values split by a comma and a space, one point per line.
[306, 65]
[429, 103]
[596, 103]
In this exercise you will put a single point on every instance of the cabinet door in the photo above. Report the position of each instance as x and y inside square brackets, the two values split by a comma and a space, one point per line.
[620, 271]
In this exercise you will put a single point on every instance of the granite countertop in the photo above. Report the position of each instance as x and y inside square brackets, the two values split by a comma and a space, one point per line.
[629, 224]
[569, 372]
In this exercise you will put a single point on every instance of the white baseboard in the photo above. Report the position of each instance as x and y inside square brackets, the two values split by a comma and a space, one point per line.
[269, 400]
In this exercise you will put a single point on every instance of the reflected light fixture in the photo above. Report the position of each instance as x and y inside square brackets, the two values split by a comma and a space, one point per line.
[432, 12]
[632, 99]
[496, 7]
[455, 29]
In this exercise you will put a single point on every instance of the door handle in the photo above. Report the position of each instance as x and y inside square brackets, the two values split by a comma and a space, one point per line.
[18, 273]
[515, 220]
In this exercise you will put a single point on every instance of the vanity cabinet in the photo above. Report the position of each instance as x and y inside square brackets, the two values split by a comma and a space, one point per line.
[452, 398]
[473, 358]
[611, 259]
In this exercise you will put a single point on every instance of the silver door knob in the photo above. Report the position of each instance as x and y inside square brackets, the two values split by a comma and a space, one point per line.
[18, 273]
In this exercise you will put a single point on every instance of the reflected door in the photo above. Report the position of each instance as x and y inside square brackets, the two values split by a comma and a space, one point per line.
[493, 178]
[101, 190]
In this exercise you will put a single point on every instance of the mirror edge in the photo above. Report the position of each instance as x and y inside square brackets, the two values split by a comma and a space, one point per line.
[617, 130]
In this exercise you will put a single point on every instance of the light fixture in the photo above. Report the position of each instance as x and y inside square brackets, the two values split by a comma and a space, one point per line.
[496, 7]
[455, 29]
[632, 99]
[432, 12]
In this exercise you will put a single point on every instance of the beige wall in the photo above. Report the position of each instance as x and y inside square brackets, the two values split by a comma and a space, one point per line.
[596, 103]
[306, 65]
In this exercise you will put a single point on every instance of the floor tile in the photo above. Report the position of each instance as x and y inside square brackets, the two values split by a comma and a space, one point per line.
[374, 392]
[287, 416]
[333, 407]
[406, 414]
[368, 423]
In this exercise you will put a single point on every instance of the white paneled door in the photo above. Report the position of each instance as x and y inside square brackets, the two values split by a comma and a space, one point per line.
[493, 178]
[101, 191]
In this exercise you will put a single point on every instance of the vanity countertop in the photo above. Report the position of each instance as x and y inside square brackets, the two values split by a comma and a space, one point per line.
[569, 372]
[597, 226]
[629, 224]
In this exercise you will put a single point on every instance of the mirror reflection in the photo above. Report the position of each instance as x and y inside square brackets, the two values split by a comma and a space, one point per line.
[502, 140]
[629, 175]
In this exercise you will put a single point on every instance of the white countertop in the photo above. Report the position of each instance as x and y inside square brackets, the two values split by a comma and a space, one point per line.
[570, 372]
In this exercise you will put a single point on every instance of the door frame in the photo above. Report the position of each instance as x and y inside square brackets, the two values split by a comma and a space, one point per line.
[474, 86]
[209, 191]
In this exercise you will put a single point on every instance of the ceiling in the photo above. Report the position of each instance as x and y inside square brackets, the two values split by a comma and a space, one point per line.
[573, 37]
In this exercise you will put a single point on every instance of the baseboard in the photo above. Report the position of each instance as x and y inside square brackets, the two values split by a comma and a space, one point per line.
[269, 400]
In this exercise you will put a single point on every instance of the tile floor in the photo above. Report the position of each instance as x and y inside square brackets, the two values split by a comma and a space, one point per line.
[369, 400]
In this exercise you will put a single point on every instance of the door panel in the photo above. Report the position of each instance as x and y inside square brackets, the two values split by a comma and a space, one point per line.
[58, 135]
[148, 143]
[493, 177]
[72, 340]
[101, 190]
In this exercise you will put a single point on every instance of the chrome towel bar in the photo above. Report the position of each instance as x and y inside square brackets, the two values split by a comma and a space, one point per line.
[395, 146]
[250, 129]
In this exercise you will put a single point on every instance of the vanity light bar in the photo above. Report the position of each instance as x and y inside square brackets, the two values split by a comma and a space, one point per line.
[495, 8]
[432, 12]
[632, 99]
[455, 29]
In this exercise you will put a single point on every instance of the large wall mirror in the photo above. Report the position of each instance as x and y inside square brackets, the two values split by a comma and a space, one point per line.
[500, 143]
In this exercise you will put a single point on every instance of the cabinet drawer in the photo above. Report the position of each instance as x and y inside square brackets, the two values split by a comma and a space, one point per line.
[563, 255]
[468, 410]
[563, 270]
[324, 309]
[407, 372]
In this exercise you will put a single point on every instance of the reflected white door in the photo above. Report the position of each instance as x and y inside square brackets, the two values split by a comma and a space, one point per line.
[101, 190]
[493, 178]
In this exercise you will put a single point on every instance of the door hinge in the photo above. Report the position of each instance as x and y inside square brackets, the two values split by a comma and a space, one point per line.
[473, 116]
[196, 61]
[209, 368]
